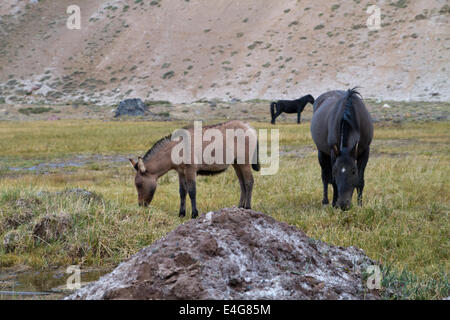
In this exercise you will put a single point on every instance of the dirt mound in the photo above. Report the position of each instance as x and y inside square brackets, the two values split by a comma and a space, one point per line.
[236, 254]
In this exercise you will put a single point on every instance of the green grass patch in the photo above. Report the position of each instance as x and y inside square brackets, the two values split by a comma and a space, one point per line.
[403, 223]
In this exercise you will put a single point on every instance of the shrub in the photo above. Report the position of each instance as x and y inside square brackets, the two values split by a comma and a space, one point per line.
[38, 110]
[168, 75]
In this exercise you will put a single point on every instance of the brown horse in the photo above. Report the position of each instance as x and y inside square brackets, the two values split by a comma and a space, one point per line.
[241, 152]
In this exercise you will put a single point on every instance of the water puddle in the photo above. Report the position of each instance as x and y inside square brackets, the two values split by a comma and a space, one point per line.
[42, 283]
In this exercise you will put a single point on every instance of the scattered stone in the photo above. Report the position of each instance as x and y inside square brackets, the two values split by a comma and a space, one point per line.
[131, 107]
[64, 289]
[19, 218]
[53, 118]
[10, 240]
[7, 284]
[52, 227]
[27, 203]
[236, 254]
[82, 193]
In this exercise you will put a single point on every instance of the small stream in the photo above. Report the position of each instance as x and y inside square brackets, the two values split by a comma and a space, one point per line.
[74, 162]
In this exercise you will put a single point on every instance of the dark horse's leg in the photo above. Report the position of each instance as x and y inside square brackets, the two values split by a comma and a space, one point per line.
[362, 162]
[325, 164]
[300, 110]
[335, 194]
[279, 111]
[191, 188]
[183, 188]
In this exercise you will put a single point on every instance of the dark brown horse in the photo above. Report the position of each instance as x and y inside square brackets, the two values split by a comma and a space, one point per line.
[342, 130]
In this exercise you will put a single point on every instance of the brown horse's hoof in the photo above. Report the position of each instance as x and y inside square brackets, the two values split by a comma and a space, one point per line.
[182, 214]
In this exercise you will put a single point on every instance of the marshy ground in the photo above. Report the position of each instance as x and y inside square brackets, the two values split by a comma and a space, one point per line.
[44, 164]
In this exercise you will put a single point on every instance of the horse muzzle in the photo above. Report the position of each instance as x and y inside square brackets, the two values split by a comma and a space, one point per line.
[344, 205]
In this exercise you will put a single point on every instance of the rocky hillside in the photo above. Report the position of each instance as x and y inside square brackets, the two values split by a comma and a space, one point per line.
[188, 50]
[236, 254]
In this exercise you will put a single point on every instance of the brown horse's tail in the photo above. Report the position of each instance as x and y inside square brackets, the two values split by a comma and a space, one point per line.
[256, 166]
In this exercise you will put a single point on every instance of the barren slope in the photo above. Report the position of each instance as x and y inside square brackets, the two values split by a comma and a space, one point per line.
[183, 51]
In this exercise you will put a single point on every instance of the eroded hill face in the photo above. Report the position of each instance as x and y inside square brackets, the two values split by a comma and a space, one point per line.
[187, 50]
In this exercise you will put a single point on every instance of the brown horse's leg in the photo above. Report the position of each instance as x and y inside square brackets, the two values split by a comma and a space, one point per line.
[183, 187]
[190, 175]
[241, 183]
[246, 171]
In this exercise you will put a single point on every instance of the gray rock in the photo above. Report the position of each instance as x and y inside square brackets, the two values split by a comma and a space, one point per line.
[131, 107]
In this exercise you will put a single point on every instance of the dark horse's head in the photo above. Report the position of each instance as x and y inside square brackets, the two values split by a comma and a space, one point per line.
[345, 175]
[309, 98]
[345, 170]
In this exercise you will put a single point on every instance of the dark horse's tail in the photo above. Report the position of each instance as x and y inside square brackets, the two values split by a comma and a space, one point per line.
[272, 110]
[256, 166]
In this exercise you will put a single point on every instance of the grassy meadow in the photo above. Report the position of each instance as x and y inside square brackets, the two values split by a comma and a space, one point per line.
[403, 223]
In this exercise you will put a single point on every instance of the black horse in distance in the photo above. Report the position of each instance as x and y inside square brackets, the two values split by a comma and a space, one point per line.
[290, 106]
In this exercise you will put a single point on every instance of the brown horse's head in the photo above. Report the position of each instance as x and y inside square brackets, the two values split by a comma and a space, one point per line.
[145, 182]
[345, 175]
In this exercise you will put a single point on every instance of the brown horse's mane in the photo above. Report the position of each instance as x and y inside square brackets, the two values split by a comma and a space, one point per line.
[157, 146]
[163, 141]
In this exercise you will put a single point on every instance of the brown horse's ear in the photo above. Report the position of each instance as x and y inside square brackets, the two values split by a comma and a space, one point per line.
[133, 163]
[141, 165]
[336, 150]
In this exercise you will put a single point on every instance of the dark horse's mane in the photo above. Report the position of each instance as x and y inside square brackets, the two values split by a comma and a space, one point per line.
[348, 120]
[163, 141]
[307, 97]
